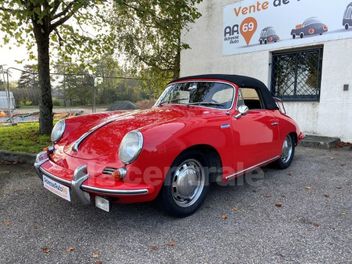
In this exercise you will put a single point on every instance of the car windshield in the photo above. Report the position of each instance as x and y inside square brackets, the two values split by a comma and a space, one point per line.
[268, 32]
[208, 94]
[311, 21]
[348, 12]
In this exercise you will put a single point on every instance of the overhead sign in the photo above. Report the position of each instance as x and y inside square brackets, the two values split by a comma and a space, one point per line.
[251, 25]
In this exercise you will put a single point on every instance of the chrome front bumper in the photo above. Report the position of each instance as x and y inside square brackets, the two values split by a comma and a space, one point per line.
[80, 175]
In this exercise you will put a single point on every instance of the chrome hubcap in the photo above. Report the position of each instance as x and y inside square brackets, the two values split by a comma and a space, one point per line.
[287, 149]
[188, 183]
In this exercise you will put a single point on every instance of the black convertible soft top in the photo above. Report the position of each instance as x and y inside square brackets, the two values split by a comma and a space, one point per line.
[241, 81]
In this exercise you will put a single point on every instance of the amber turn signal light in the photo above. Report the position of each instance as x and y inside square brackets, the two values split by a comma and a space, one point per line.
[119, 173]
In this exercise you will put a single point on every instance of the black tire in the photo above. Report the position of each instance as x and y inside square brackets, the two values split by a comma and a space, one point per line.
[293, 36]
[260, 42]
[283, 162]
[347, 26]
[301, 35]
[265, 42]
[167, 194]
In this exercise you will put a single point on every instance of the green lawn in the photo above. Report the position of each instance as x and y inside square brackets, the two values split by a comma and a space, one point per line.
[23, 137]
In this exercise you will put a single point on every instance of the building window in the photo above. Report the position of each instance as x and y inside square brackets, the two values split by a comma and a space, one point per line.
[296, 74]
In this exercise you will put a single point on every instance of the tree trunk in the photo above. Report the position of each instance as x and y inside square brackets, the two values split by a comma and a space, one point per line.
[177, 65]
[176, 73]
[45, 102]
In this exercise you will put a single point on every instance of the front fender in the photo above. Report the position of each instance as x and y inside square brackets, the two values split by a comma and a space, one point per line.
[164, 143]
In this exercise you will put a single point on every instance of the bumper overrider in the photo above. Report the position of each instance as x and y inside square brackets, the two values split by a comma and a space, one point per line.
[80, 192]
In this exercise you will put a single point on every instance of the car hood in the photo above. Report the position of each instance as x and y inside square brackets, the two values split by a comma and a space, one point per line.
[105, 134]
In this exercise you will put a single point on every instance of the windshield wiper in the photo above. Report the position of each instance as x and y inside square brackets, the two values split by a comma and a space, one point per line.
[206, 103]
[173, 101]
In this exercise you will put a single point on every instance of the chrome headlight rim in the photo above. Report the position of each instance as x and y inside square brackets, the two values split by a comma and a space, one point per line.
[58, 131]
[139, 146]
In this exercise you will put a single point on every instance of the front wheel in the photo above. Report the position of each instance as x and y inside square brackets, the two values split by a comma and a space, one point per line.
[288, 152]
[186, 185]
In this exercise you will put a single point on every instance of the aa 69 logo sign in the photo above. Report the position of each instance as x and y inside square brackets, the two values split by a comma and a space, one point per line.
[247, 29]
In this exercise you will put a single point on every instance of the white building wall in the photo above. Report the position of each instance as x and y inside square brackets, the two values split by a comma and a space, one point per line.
[332, 116]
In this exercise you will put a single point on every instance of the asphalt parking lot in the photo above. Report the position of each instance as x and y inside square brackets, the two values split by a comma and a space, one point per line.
[300, 215]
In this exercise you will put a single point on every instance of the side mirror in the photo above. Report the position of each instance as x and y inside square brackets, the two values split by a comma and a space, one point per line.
[242, 110]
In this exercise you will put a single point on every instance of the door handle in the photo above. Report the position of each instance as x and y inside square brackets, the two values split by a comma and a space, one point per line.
[275, 123]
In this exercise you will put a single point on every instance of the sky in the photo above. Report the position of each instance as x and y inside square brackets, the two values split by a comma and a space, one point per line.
[9, 54]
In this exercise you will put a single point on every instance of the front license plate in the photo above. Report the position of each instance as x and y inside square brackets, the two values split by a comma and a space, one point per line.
[57, 188]
[102, 203]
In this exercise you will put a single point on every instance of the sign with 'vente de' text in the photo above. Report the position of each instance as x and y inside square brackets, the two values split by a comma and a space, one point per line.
[251, 25]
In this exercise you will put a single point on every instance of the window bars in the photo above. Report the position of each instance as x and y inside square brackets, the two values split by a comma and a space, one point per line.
[296, 74]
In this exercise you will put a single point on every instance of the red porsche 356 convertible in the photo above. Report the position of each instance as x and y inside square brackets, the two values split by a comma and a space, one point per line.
[202, 129]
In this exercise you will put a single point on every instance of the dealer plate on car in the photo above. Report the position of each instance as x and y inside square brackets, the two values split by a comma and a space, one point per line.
[57, 188]
[102, 203]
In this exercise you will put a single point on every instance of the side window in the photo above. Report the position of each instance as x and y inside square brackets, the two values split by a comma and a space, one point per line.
[251, 98]
[223, 96]
[240, 100]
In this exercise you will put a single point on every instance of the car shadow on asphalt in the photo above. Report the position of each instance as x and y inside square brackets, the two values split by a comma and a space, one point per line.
[219, 196]
[236, 190]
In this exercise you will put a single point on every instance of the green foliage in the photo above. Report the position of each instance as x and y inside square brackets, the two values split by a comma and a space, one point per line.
[23, 138]
[57, 102]
[149, 32]
[45, 22]
[154, 81]
[76, 83]
[18, 20]
[27, 90]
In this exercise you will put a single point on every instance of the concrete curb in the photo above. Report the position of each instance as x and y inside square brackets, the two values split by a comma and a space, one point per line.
[312, 141]
[19, 157]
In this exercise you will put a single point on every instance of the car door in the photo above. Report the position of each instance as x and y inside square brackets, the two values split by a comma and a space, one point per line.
[256, 133]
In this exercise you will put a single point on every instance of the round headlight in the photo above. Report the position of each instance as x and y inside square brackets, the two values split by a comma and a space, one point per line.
[58, 131]
[130, 147]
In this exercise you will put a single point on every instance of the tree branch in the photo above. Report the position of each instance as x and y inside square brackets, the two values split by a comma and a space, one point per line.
[59, 36]
[10, 10]
[66, 14]
[64, 11]
[161, 25]
[150, 63]
[61, 21]
[56, 6]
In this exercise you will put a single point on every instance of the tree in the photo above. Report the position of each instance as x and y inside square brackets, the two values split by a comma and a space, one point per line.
[154, 81]
[28, 86]
[149, 32]
[45, 22]
[75, 83]
[109, 69]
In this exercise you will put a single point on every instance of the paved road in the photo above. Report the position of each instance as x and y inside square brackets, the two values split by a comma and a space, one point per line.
[301, 215]
[86, 110]
[21, 114]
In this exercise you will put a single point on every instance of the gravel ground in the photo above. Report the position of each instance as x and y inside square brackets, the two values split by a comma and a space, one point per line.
[300, 215]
